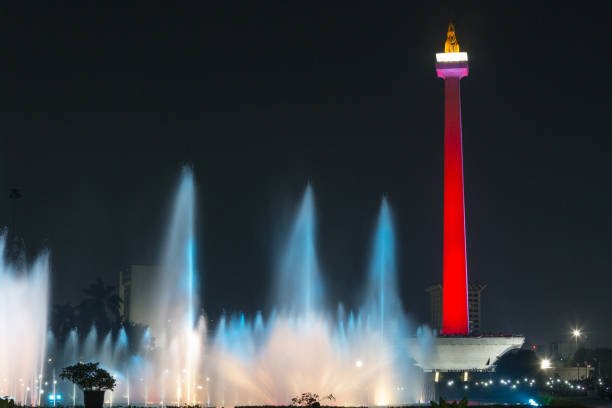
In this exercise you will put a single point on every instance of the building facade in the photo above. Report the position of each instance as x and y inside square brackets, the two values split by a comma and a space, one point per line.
[474, 307]
[137, 292]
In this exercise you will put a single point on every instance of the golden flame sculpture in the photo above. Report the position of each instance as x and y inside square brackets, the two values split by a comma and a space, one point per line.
[451, 44]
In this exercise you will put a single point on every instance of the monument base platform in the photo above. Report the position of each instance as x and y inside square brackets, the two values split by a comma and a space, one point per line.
[462, 353]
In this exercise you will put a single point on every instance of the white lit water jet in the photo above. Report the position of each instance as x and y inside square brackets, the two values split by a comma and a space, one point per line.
[23, 319]
[360, 357]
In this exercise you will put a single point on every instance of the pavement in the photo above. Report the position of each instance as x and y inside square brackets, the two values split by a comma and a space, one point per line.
[591, 402]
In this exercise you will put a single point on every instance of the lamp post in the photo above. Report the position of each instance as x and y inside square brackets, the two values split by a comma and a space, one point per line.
[577, 333]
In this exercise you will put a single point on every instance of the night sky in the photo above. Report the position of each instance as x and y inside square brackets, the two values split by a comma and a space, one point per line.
[102, 104]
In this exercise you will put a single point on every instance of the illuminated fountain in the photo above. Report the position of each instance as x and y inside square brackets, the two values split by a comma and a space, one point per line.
[361, 358]
[179, 332]
[358, 356]
[23, 322]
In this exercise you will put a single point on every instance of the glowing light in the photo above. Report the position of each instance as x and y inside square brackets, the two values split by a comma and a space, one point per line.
[576, 333]
[437, 376]
[532, 402]
[381, 398]
[358, 363]
[545, 364]
[451, 57]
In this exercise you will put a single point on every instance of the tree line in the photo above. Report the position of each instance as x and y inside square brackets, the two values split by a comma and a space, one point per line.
[100, 307]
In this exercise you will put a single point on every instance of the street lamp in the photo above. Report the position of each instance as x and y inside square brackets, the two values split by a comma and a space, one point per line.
[577, 333]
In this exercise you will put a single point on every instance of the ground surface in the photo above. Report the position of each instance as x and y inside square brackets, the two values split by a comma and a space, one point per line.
[591, 402]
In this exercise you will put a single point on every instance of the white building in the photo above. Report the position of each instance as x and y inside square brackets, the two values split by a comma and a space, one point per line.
[137, 292]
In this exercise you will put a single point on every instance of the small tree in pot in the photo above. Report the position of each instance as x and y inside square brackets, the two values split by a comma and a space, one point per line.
[92, 379]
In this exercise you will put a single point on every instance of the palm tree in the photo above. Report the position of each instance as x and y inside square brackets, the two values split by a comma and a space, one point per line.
[101, 306]
[63, 319]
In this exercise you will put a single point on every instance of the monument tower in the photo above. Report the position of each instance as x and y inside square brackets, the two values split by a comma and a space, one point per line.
[452, 65]
[456, 349]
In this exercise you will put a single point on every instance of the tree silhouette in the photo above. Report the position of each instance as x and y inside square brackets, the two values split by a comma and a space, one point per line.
[63, 319]
[101, 306]
[519, 363]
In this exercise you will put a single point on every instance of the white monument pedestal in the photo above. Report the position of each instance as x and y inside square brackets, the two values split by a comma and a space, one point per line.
[459, 353]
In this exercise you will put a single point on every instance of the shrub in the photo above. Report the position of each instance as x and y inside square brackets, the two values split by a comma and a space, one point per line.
[445, 404]
[309, 399]
[89, 377]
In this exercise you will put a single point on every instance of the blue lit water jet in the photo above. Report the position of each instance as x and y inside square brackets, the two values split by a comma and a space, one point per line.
[179, 334]
[382, 296]
[176, 280]
[298, 287]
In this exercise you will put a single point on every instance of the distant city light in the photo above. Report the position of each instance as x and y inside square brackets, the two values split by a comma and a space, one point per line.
[576, 332]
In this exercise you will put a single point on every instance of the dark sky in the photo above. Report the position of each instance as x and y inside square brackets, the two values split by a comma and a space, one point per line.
[102, 104]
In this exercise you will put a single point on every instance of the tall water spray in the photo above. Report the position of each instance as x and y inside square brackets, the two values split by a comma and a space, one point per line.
[298, 286]
[23, 320]
[387, 324]
[176, 300]
[178, 332]
[383, 304]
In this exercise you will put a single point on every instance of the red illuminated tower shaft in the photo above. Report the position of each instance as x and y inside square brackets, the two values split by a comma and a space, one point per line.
[454, 279]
